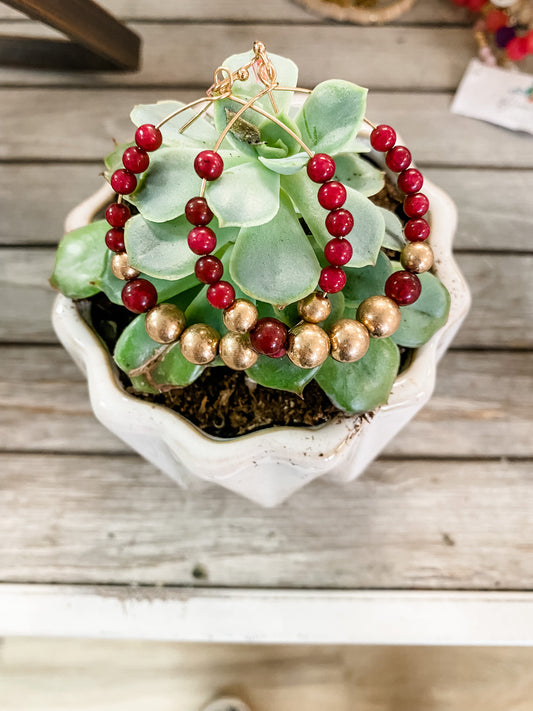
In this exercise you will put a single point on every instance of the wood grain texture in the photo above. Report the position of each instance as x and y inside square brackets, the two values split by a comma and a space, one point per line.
[39, 674]
[283, 11]
[410, 524]
[87, 24]
[24, 288]
[453, 140]
[490, 203]
[172, 55]
[482, 406]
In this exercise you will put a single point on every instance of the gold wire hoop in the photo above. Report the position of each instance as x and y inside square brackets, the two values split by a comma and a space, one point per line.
[222, 88]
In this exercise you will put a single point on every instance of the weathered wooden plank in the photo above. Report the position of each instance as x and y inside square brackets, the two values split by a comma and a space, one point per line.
[435, 136]
[483, 403]
[40, 196]
[500, 316]
[408, 524]
[40, 674]
[494, 207]
[491, 203]
[283, 11]
[173, 56]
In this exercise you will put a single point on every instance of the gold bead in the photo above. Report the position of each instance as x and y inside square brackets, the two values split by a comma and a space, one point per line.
[243, 74]
[314, 308]
[380, 315]
[417, 257]
[349, 340]
[241, 316]
[236, 351]
[121, 268]
[308, 345]
[164, 323]
[199, 344]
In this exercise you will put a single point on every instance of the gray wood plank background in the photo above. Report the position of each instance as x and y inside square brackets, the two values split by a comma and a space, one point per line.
[448, 506]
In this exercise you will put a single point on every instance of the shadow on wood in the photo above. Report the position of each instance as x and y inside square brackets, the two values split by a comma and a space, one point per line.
[99, 40]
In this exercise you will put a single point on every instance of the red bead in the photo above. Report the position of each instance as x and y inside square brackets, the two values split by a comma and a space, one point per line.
[332, 195]
[416, 205]
[201, 240]
[209, 270]
[114, 239]
[476, 5]
[197, 211]
[321, 168]
[117, 214]
[208, 165]
[410, 180]
[139, 296]
[221, 295]
[135, 159]
[279, 354]
[398, 158]
[338, 251]
[517, 49]
[383, 138]
[403, 287]
[416, 230]
[332, 280]
[123, 182]
[148, 137]
[269, 337]
[339, 222]
[495, 19]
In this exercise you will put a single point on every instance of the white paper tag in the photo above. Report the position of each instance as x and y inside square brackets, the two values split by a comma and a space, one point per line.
[496, 95]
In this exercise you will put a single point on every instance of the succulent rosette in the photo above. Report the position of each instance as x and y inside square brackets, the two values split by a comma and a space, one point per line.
[270, 236]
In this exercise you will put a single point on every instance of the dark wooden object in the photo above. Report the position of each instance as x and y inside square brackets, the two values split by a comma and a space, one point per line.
[99, 40]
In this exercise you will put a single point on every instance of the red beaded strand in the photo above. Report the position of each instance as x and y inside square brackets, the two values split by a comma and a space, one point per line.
[138, 295]
[403, 286]
[269, 336]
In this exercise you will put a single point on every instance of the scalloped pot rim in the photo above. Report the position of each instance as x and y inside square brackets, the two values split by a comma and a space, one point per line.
[269, 465]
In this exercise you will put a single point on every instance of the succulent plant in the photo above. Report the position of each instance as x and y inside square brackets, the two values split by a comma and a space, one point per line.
[270, 237]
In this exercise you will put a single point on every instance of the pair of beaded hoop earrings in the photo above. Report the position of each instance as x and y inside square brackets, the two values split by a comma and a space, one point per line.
[306, 344]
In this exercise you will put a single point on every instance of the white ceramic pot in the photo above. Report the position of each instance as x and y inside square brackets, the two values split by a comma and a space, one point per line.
[270, 465]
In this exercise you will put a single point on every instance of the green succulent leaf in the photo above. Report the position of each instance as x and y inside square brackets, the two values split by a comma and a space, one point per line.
[175, 369]
[424, 318]
[280, 374]
[201, 131]
[275, 262]
[113, 161]
[245, 195]
[81, 261]
[338, 307]
[286, 166]
[134, 348]
[332, 115]
[168, 184]
[357, 173]
[272, 134]
[364, 385]
[141, 385]
[160, 248]
[369, 226]
[367, 281]
[394, 237]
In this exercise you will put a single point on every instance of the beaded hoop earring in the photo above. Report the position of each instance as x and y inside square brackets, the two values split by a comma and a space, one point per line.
[306, 343]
